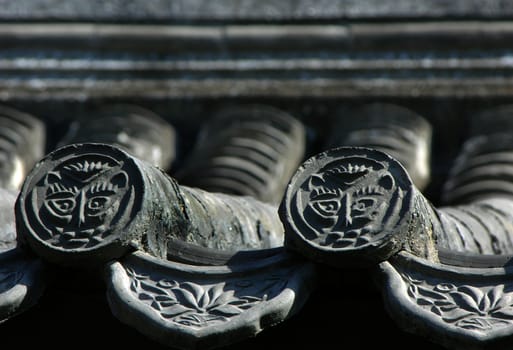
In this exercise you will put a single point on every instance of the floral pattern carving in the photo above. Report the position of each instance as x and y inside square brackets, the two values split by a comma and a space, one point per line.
[200, 304]
[475, 308]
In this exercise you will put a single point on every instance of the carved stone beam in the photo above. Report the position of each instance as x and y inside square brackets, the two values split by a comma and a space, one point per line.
[393, 129]
[134, 129]
[250, 150]
[209, 268]
[22, 143]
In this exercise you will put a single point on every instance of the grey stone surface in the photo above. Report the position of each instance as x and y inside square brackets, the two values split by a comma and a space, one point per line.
[248, 150]
[200, 307]
[264, 10]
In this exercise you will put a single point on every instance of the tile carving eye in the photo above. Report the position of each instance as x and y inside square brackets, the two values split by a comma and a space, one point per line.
[328, 207]
[363, 205]
[326, 204]
[61, 206]
[98, 204]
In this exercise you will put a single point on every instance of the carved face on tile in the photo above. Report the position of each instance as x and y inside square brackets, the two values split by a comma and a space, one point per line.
[82, 198]
[80, 201]
[347, 202]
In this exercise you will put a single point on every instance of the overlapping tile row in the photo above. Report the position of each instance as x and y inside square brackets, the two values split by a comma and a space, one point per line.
[248, 150]
[22, 143]
[391, 128]
[206, 258]
[443, 270]
[92, 202]
[135, 129]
